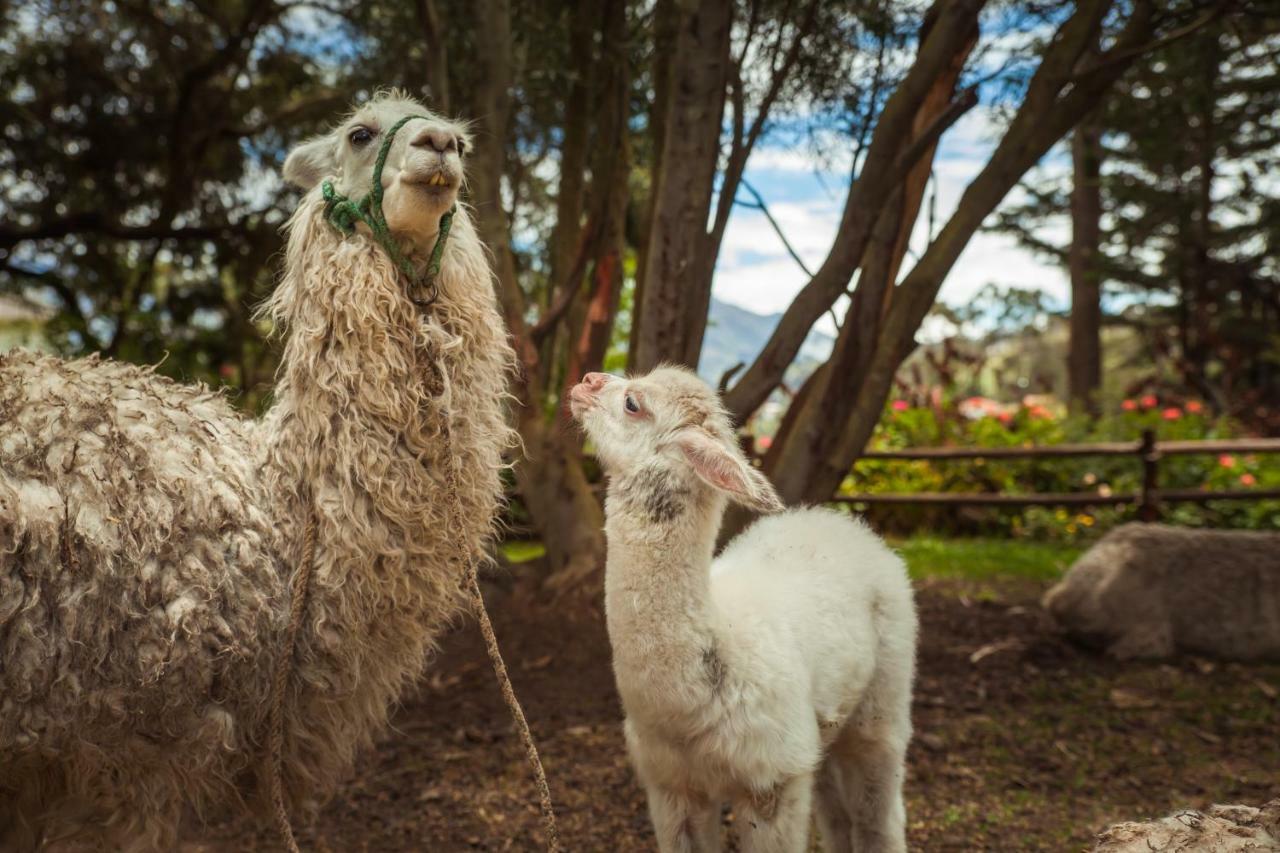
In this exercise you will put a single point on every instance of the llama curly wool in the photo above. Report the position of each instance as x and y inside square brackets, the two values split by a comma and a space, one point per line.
[147, 531]
[778, 674]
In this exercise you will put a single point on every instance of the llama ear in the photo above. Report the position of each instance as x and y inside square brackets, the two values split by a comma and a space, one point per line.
[726, 469]
[310, 162]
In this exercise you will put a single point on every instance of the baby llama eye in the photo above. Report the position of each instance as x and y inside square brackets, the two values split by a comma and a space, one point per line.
[631, 405]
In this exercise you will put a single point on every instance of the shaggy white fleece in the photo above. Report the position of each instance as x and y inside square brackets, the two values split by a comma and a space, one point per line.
[147, 533]
[775, 675]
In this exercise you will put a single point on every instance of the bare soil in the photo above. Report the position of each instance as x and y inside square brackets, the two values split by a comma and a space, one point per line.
[1023, 741]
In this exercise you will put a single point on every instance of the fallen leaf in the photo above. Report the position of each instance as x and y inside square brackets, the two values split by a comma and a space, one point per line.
[1130, 700]
[1267, 690]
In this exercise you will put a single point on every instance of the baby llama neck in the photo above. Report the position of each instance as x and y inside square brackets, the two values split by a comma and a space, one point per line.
[661, 536]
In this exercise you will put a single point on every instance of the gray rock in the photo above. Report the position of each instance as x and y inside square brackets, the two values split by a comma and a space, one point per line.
[1154, 591]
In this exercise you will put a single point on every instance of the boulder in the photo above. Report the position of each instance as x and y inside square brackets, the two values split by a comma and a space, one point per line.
[1154, 591]
[1222, 829]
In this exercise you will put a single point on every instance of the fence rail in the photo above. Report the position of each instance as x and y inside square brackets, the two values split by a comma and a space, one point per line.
[1147, 450]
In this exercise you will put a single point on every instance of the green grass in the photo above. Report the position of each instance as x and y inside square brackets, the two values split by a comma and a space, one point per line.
[984, 559]
[932, 556]
[522, 551]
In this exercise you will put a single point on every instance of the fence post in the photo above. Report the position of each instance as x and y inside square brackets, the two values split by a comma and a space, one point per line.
[1148, 502]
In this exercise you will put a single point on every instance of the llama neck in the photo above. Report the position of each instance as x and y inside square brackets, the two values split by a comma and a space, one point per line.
[661, 538]
[356, 440]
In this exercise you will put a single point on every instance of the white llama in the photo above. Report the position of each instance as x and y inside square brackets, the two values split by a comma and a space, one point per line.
[779, 672]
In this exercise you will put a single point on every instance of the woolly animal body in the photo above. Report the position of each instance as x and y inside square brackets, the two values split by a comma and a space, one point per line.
[774, 677]
[1153, 591]
[138, 570]
[147, 532]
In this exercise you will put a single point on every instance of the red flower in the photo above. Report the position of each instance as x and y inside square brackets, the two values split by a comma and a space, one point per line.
[1248, 479]
[1171, 414]
[1129, 406]
[1149, 401]
[1005, 418]
[1226, 460]
[764, 442]
[901, 405]
[227, 371]
[1195, 407]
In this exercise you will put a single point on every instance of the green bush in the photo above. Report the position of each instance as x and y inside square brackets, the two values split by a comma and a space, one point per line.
[939, 423]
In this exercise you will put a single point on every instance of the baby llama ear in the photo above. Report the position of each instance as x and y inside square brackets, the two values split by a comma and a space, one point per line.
[726, 469]
[310, 163]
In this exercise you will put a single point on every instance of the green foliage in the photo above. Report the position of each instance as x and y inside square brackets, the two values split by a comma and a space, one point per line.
[140, 199]
[941, 424]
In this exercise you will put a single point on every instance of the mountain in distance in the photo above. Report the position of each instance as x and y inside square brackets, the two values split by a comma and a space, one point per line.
[735, 334]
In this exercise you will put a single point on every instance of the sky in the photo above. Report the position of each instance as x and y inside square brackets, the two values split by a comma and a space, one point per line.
[805, 195]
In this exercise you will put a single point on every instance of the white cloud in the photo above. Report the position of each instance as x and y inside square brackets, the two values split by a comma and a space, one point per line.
[755, 271]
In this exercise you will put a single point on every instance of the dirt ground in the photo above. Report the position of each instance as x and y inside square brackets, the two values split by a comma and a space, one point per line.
[1023, 742]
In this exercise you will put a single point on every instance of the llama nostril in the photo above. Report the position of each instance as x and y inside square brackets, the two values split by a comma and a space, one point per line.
[437, 139]
[595, 381]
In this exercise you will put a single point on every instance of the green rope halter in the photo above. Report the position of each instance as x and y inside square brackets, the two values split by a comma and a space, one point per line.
[343, 213]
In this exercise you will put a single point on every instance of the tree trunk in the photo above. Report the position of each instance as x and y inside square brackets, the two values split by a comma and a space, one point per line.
[437, 71]
[666, 19]
[1084, 357]
[550, 479]
[672, 317]
[891, 154]
[567, 235]
[832, 400]
[610, 171]
[835, 427]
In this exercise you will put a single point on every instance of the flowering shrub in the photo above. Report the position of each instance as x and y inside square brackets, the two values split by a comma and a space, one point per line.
[975, 422]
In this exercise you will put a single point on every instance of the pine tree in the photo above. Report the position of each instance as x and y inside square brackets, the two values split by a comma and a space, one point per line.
[1191, 211]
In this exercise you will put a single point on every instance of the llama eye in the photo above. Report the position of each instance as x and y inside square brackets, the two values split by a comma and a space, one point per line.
[631, 405]
[360, 137]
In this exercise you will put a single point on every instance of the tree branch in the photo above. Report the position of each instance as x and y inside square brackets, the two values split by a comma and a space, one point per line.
[927, 138]
[763, 208]
[93, 222]
[571, 287]
[882, 171]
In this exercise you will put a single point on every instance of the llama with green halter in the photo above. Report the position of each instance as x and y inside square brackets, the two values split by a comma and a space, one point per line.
[148, 531]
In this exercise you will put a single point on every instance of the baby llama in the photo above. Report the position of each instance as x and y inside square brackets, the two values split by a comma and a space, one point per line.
[148, 531]
[774, 676]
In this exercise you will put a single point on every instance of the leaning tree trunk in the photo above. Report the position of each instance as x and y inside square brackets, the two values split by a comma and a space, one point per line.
[809, 442]
[839, 419]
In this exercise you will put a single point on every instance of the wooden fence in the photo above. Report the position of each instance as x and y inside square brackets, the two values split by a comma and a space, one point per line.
[1147, 450]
